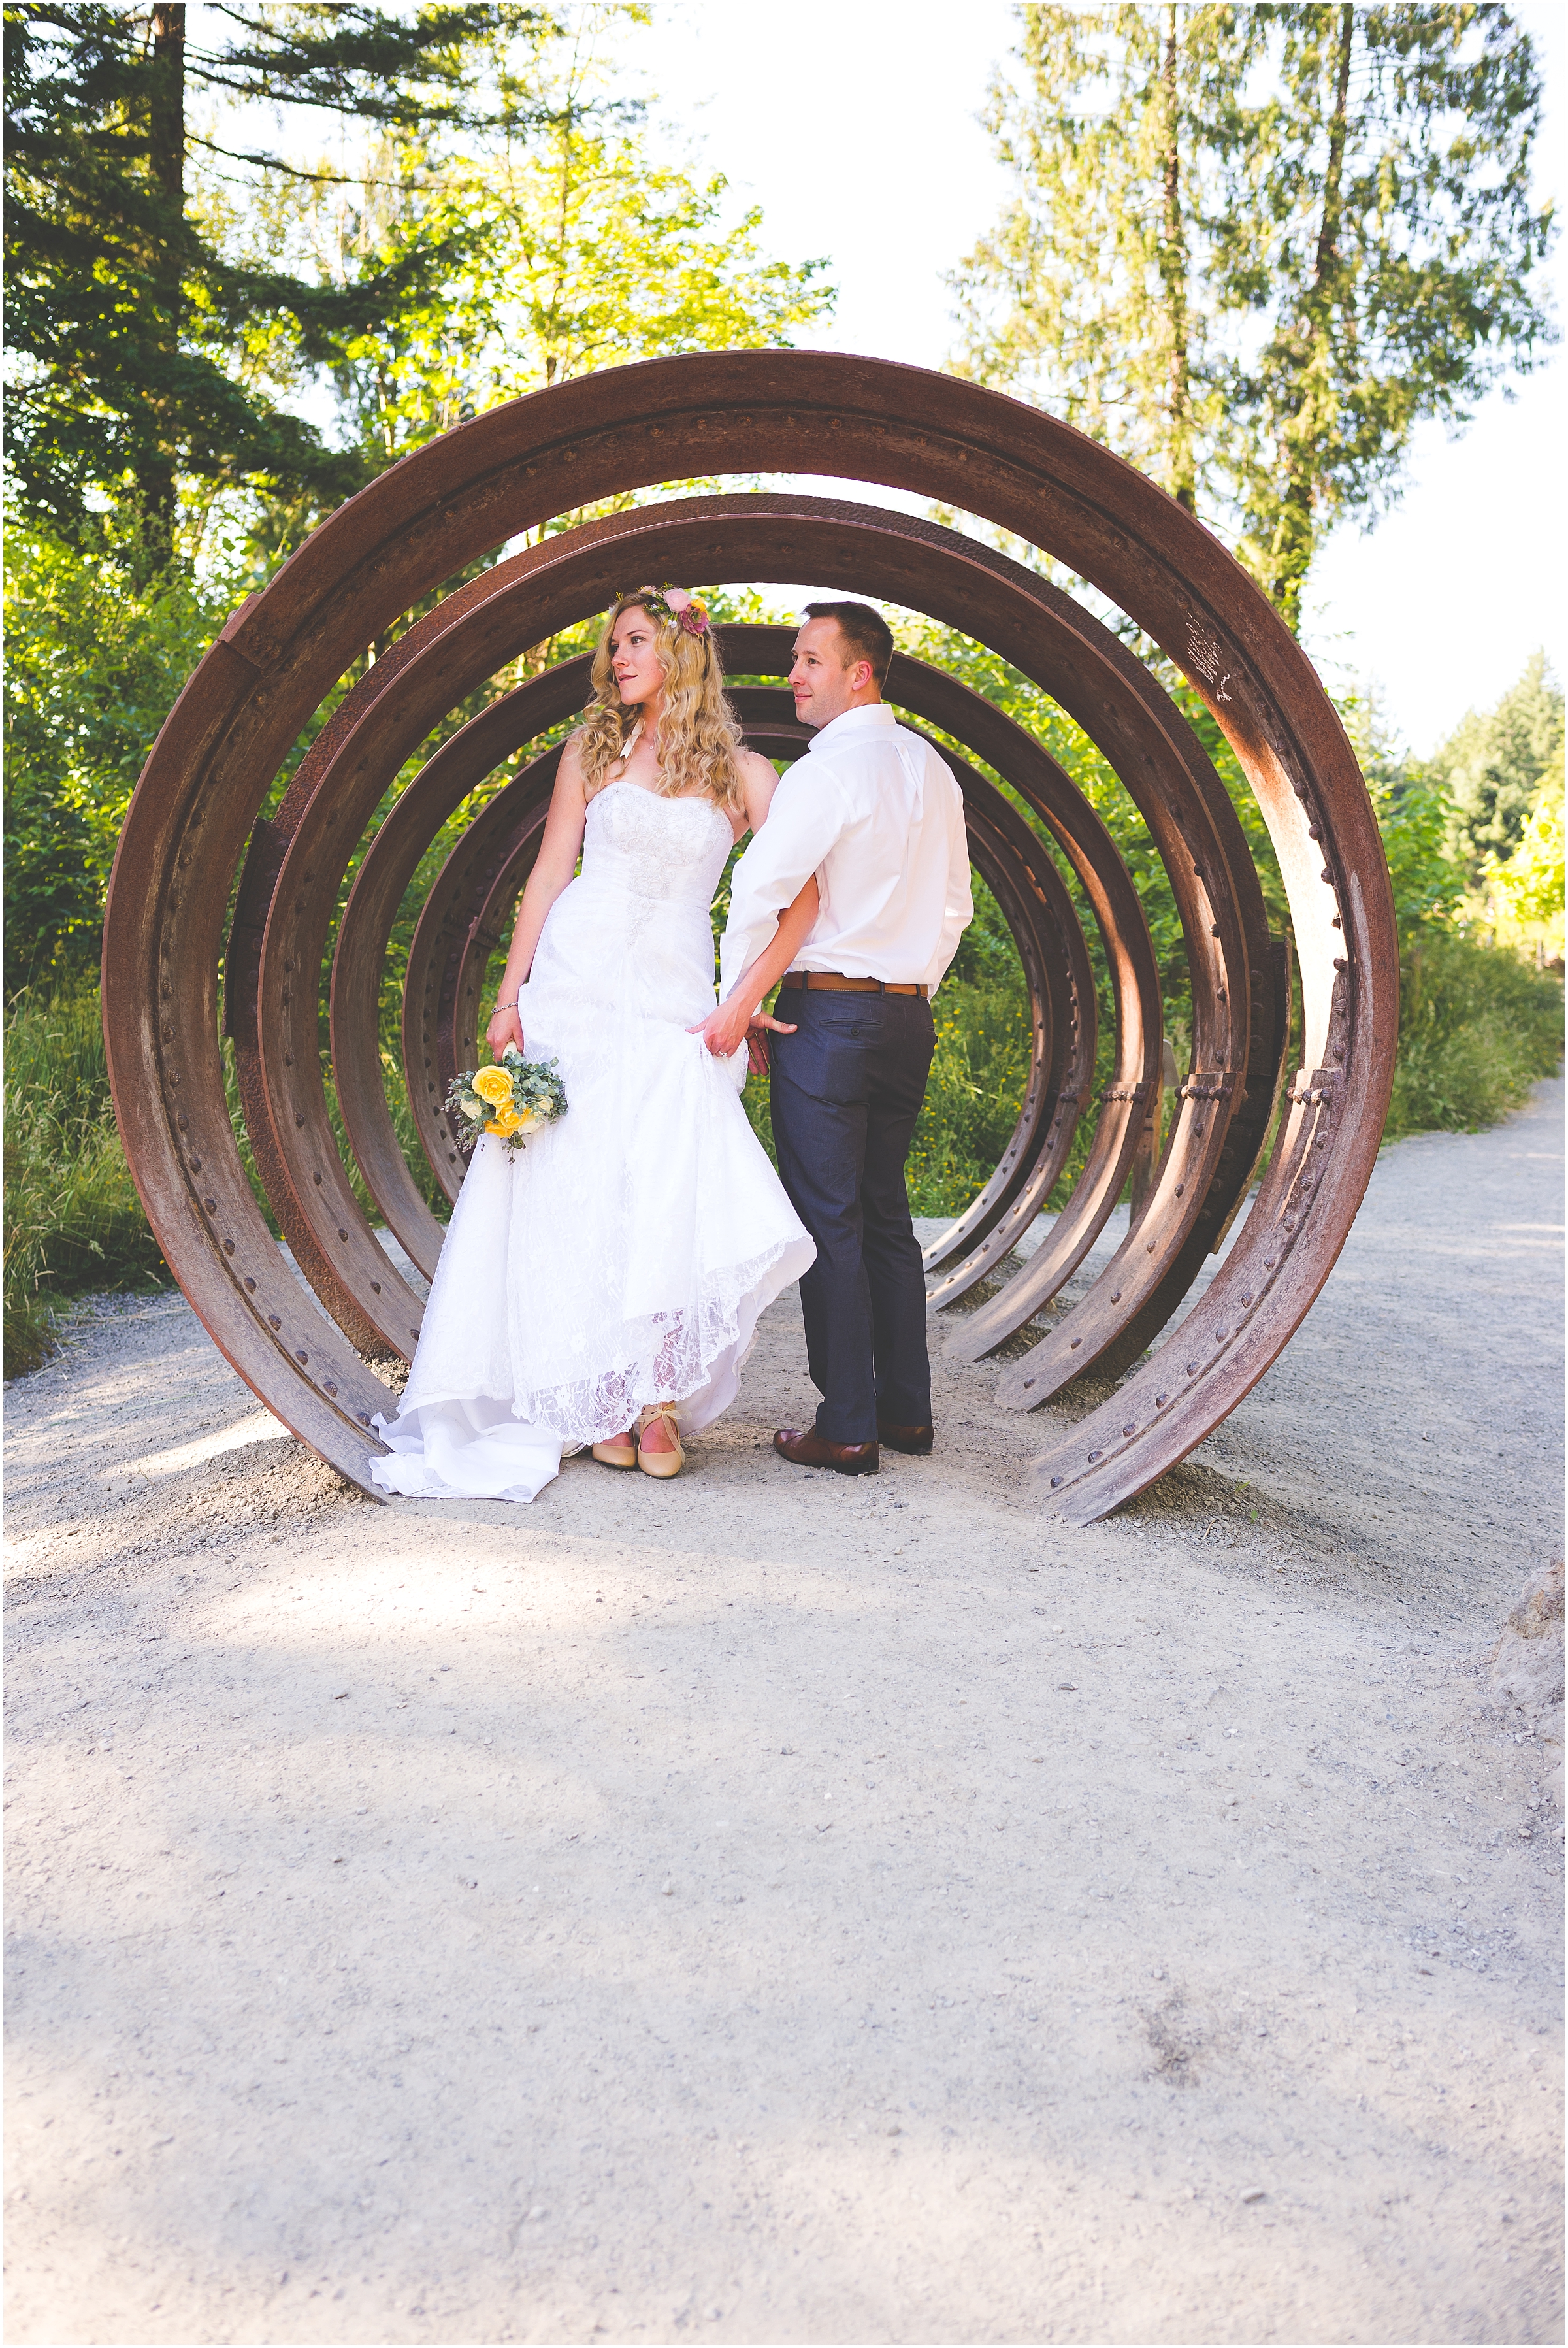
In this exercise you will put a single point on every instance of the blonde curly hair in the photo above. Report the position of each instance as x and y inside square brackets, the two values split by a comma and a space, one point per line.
[699, 738]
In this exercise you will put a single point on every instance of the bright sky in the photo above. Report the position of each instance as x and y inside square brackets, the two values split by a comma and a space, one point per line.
[852, 123]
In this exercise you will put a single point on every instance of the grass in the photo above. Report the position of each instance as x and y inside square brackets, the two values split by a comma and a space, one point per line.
[1477, 1027]
[973, 1095]
[73, 1223]
[1480, 1026]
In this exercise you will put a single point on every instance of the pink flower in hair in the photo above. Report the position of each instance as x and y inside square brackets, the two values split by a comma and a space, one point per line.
[689, 614]
[676, 604]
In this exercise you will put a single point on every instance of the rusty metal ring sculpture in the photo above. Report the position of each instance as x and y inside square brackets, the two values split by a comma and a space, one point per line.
[194, 818]
[389, 711]
[457, 930]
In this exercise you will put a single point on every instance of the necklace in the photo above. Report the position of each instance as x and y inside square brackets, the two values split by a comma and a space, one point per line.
[635, 737]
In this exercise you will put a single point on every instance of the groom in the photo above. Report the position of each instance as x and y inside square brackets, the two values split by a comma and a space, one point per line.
[874, 814]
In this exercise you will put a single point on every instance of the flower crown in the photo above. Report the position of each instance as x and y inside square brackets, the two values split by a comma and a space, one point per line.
[674, 603]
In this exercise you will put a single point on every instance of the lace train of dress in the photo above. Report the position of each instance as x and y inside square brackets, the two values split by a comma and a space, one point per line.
[624, 1255]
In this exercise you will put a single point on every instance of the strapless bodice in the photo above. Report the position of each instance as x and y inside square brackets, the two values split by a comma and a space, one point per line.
[671, 849]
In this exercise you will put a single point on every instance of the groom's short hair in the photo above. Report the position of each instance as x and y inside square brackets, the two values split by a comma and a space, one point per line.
[866, 631]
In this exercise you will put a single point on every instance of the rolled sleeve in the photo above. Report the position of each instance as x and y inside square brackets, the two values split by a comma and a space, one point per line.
[804, 821]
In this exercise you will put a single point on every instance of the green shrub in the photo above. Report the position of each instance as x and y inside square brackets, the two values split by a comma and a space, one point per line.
[98, 646]
[977, 1084]
[1477, 1027]
[73, 1221]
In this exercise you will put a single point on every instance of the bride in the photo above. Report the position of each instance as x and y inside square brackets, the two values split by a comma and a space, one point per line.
[600, 1286]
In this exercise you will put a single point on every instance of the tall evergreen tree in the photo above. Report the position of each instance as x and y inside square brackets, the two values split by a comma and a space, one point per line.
[120, 309]
[583, 250]
[563, 244]
[1384, 233]
[1253, 247]
[1091, 293]
[1492, 763]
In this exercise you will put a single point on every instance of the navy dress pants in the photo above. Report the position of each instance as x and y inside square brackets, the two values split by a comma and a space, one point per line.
[846, 1090]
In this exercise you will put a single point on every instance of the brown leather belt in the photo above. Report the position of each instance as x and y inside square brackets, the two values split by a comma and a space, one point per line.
[832, 981]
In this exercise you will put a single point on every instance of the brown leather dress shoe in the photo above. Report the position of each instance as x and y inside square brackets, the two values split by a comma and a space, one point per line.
[915, 1439]
[806, 1448]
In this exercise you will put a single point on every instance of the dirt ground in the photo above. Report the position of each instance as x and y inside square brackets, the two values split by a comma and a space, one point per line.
[392, 1958]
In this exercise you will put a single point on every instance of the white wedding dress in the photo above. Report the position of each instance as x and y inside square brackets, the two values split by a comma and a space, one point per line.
[624, 1255]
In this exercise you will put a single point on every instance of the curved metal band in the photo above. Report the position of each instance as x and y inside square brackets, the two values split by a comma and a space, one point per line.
[780, 411]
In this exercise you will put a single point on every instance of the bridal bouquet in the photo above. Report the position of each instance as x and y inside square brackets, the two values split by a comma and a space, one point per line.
[511, 1099]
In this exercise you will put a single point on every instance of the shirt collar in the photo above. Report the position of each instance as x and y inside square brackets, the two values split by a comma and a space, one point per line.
[853, 721]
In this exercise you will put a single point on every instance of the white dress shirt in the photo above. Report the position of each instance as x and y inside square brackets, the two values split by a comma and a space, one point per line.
[873, 812]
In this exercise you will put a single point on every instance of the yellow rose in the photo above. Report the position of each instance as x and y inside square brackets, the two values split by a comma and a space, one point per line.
[493, 1085]
[491, 1126]
[507, 1120]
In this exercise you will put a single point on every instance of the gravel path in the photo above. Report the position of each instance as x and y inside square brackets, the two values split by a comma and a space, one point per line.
[767, 1906]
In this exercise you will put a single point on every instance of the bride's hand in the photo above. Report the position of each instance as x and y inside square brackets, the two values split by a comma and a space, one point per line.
[725, 1030]
[505, 1028]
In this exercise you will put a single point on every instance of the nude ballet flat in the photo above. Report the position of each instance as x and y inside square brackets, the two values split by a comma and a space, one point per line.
[661, 1463]
[617, 1453]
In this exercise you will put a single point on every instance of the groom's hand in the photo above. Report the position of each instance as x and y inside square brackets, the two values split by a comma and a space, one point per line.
[759, 1058]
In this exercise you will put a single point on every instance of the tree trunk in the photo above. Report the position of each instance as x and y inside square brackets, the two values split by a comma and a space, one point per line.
[1295, 533]
[1182, 463]
[166, 141]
